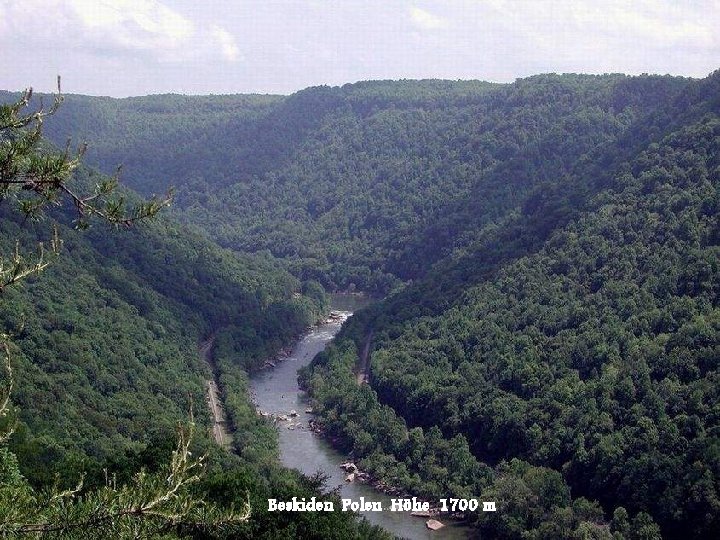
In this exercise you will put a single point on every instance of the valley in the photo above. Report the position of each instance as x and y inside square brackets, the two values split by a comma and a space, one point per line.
[545, 258]
[275, 391]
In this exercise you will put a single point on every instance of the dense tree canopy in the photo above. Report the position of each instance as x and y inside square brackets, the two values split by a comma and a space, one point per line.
[102, 362]
[578, 333]
[551, 252]
[362, 185]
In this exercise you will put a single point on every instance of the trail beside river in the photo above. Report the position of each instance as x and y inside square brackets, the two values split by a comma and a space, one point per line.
[362, 371]
[220, 431]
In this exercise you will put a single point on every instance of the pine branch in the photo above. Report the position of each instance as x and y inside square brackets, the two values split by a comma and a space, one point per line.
[47, 176]
[19, 267]
[158, 502]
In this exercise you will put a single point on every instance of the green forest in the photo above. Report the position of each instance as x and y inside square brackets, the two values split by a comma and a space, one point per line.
[545, 259]
[104, 366]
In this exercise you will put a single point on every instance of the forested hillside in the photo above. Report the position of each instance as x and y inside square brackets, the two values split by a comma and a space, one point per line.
[110, 331]
[550, 254]
[580, 333]
[367, 184]
[104, 366]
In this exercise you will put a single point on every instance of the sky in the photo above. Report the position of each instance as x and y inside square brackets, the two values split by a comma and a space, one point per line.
[137, 47]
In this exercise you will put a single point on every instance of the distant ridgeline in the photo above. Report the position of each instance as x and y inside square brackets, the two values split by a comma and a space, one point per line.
[551, 250]
[365, 185]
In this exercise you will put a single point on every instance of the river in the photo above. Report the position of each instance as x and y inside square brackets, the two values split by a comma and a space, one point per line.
[276, 390]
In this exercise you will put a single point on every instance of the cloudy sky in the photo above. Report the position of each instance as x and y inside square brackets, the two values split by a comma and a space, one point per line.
[137, 47]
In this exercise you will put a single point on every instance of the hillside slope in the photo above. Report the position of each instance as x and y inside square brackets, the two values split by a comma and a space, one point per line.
[366, 184]
[580, 337]
[105, 339]
[105, 366]
[552, 248]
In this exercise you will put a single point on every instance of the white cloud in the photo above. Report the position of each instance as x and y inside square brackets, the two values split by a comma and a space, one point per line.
[426, 20]
[659, 21]
[663, 24]
[608, 35]
[146, 25]
[135, 23]
[114, 27]
[227, 43]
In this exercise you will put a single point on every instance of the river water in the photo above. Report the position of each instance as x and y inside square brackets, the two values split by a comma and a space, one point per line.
[276, 391]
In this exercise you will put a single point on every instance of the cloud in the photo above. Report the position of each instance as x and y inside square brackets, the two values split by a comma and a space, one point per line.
[426, 20]
[131, 47]
[227, 43]
[144, 24]
[610, 35]
[132, 26]
[663, 24]
[115, 27]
